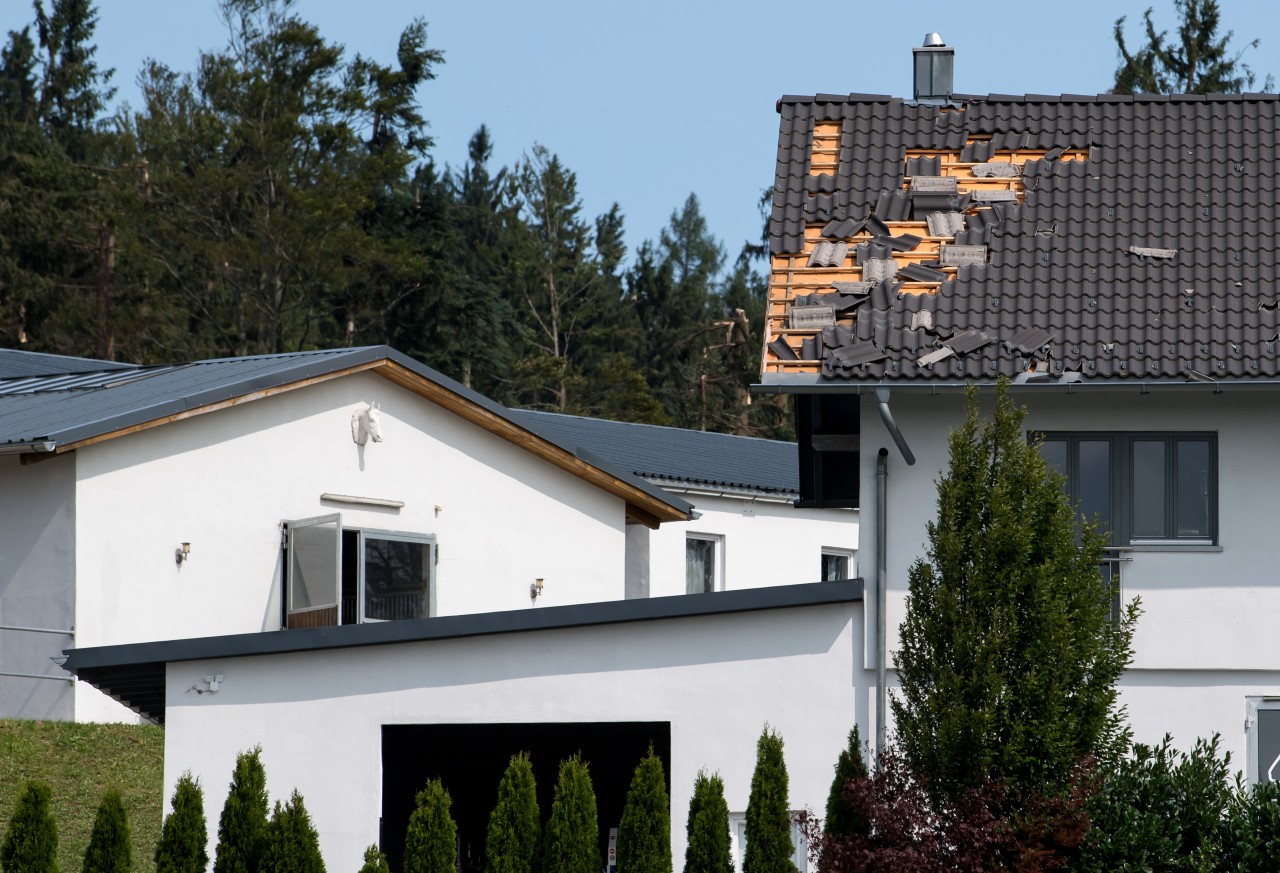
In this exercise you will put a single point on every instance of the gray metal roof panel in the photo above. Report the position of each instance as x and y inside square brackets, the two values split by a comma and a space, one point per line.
[675, 454]
[16, 362]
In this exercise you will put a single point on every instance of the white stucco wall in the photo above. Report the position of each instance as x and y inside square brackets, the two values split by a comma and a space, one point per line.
[716, 679]
[1208, 614]
[224, 481]
[37, 569]
[764, 542]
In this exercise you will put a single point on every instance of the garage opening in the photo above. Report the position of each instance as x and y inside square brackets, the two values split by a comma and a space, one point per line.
[470, 759]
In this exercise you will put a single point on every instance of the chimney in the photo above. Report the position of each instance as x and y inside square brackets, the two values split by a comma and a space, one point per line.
[935, 70]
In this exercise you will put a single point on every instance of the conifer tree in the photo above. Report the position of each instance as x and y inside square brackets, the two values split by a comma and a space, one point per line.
[1195, 61]
[31, 842]
[769, 846]
[572, 840]
[184, 835]
[110, 848]
[292, 844]
[1009, 651]
[644, 834]
[842, 819]
[430, 845]
[242, 826]
[515, 826]
[708, 848]
[375, 861]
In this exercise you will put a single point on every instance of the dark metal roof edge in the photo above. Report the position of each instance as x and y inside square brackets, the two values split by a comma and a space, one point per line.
[625, 475]
[790, 383]
[1250, 97]
[97, 658]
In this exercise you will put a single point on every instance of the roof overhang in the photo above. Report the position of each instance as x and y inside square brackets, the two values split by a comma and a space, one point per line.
[811, 384]
[134, 674]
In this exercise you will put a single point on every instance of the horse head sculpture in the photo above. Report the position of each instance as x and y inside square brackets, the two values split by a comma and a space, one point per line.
[366, 425]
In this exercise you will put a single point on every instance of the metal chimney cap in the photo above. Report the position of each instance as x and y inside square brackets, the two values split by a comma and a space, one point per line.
[933, 40]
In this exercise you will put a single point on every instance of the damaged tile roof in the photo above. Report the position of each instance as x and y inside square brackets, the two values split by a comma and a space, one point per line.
[1116, 236]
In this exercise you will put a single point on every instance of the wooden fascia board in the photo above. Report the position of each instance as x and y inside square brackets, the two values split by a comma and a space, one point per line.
[641, 507]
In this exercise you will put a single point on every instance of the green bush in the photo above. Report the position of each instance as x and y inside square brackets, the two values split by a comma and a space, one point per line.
[430, 845]
[31, 843]
[644, 834]
[242, 827]
[185, 835]
[1159, 810]
[708, 848]
[515, 825]
[110, 849]
[572, 841]
[769, 846]
[842, 818]
[374, 861]
[292, 844]
[1251, 830]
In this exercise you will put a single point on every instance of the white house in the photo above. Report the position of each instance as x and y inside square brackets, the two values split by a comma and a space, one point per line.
[347, 558]
[1115, 257]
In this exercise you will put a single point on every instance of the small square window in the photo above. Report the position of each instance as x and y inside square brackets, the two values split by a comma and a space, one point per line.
[703, 563]
[838, 564]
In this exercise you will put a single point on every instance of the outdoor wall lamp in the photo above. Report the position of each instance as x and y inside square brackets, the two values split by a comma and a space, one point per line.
[182, 553]
[535, 588]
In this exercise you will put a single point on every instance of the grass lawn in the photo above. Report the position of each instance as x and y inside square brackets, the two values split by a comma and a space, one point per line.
[80, 762]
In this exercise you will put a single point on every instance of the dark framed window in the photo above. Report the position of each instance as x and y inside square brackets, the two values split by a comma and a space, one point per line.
[1144, 488]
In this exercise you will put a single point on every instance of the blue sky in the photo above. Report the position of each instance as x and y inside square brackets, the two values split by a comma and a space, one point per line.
[648, 102]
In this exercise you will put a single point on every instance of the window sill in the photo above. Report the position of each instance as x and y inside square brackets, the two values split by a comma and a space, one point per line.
[1173, 547]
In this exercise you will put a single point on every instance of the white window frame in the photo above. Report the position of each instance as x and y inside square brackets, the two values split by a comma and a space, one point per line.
[850, 555]
[1252, 734]
[395, 536]
[717, 571]
[738, 841]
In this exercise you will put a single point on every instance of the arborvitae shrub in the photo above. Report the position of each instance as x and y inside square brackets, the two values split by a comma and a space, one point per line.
[572, 840]
[769, 846]
[110, 850]
[843, 819]
[185, 835]
[292, 844]
[644, 834]
[242, 827]
[515, 826]
[430, 845]
[374, 861]
[708, 848]
[31, 843]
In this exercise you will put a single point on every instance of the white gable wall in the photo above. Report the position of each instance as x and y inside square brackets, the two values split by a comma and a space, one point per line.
[225, 480]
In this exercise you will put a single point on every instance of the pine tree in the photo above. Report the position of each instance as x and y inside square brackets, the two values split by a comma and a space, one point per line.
[292, 844]
[1197, 61]
[644, 834]
[430, 845]
[769, 846]
[572, 840]
[110, 848]
[1009, 653]
[185, 835]
[31, 842]
[375, 861]
[515, 826]
[842, 819]
[242, 827]
[708, 847]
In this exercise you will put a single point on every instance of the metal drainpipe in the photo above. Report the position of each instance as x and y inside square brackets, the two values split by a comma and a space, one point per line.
[886, 415]
[882, 694]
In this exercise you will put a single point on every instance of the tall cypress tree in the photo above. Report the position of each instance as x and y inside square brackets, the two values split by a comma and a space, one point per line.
[31, 842]
[430, 845]
[1009, 652]
[292, 844]
[572, 840]
[242, 828]
[644, 834]
[184, 837]
[515, 826]
[708, 848]
[110, 848]
[769, 846]
[842, 819]
[375, 861]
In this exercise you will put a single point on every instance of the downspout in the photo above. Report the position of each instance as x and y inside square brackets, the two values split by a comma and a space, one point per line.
[886, 415]
[882, 695]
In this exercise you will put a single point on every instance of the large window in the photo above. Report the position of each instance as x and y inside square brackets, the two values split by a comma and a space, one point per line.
[1145, 488]
[703, 563]
[336, 575]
